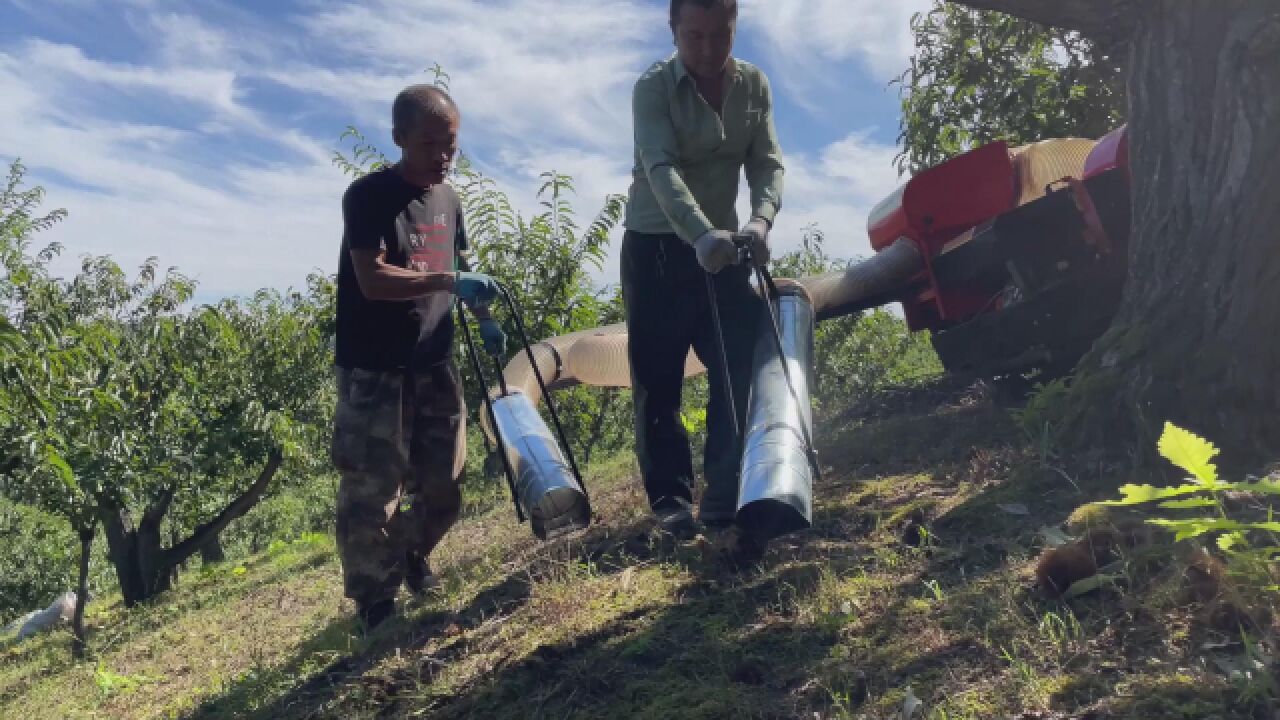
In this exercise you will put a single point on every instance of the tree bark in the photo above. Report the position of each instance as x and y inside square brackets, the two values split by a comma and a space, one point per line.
[79, 644]
[144, 568]
[212, 551]
[235, 509]
[1195, 341]
[135, 553]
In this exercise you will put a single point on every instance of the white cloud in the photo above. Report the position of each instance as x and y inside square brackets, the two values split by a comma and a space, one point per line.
[132, 193]
[520, 69]
[61, 63]
[835, 190]
[187, 38]
[806, 37]
[543, 86]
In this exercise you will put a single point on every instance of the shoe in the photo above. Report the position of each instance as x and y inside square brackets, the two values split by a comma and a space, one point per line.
[371, 616]
[418, 576]
[716, 519]
[676, 520]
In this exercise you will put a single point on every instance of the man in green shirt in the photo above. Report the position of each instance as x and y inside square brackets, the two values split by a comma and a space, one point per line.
[701, 117]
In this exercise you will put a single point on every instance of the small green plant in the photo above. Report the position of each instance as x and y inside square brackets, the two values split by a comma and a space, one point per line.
[1026, 675]
[694, 420]
[1203, 490]
[935, 589]
[1037, 418]
[111, 683]
[1059, 629]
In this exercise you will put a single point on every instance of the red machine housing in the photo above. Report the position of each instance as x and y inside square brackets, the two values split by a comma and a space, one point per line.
[932, 209]
[1111, 153]
[990, 242]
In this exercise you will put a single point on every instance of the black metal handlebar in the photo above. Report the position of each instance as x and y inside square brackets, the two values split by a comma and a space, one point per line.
[502, 385]
[770, 290]
[542, 385]
[488, 404]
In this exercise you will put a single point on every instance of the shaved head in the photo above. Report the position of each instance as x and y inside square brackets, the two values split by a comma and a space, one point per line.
[421, 101]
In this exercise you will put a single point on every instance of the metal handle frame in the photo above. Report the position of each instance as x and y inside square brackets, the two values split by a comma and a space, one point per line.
[724, 357]
[542, 386]
[488, 404]
[561, 435]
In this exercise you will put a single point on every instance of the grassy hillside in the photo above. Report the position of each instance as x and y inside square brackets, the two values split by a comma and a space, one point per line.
[916, 578]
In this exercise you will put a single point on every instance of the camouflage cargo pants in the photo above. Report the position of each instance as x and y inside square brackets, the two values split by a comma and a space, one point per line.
[399, 444]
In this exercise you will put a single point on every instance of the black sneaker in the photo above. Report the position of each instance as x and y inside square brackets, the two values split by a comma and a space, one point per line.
[372, 616]
[716, 519]
[676, 520]
[418, 576]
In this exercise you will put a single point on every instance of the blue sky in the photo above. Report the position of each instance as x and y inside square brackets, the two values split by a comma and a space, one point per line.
[201, 132]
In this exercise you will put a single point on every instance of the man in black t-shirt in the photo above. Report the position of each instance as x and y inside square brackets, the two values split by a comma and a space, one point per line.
[399, 441]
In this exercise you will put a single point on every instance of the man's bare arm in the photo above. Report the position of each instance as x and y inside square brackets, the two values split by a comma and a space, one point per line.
[379, 280]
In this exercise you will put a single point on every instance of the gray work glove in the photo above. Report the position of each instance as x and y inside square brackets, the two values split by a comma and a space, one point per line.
[758, 231]
[715, 250]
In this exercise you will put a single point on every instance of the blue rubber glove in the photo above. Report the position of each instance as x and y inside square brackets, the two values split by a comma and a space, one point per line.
[475, 289]
[495, 341]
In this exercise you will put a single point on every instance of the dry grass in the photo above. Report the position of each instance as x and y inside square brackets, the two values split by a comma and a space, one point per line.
[913, 576]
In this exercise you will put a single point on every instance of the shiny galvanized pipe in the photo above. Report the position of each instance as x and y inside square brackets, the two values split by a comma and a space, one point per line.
[775, 489]
[545, 486]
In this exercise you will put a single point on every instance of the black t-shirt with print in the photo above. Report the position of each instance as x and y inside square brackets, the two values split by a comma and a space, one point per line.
[419, 228]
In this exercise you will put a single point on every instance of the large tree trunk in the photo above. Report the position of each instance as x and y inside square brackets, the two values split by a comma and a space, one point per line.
[144, 567]
[136, 553]
[1197, 338]
[1195, 341]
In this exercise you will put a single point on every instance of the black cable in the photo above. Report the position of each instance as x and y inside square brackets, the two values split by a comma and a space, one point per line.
[724, 357]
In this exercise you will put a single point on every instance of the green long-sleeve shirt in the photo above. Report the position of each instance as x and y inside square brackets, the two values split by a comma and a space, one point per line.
[688, 159]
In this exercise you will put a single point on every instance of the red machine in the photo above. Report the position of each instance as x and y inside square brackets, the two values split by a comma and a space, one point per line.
[1024, 252]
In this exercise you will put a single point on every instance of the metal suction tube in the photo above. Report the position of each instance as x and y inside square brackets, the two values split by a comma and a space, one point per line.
[545, 486]
[775, 490]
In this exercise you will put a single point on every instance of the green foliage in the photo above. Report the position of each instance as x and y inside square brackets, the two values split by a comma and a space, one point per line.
[1189, 452]
[254, 377]
[300, 510]
[117, 401]
[1038, 417]
[38, 560]
[979, 76]
[111, 683]
[1244, 538]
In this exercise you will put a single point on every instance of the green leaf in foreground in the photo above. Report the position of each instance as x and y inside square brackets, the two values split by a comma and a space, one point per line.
[1139, 494]
[1189, 452]
[1196, 527]
[1188, 503]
